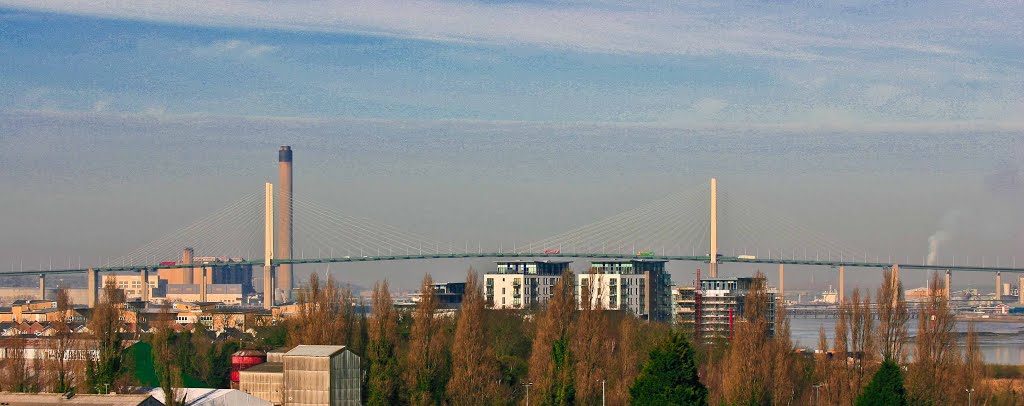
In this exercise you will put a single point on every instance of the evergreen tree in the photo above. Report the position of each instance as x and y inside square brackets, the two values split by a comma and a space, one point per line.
[885, 389]
[670, 376]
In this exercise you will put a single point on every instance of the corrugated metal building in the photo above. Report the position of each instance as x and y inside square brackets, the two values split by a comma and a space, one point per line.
[265, 381]
[321, 375]
[309, 375]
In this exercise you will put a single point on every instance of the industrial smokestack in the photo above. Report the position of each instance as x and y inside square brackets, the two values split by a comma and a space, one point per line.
[284, 220]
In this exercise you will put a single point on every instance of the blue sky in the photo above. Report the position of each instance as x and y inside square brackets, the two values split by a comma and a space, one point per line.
[694, 64]
[868, 120]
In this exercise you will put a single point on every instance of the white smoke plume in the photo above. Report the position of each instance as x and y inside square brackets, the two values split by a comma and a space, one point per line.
[945, 233]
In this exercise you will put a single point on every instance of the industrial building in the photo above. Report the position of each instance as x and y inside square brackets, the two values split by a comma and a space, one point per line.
[307, 375]
[640, 286]
[522, 284]
[712, 310]
[214, 270]
[228, 294]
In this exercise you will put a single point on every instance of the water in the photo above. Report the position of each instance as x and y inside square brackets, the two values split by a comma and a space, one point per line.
[1000, 343]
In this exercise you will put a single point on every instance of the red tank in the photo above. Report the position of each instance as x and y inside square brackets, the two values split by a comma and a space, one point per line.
[243, 360]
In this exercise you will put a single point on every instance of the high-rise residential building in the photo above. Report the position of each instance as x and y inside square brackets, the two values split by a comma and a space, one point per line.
[640, 286]
[522, 284]
[713, 310]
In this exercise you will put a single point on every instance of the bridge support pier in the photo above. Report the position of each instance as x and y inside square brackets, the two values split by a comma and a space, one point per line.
[895, 283]
[842, 279]
[42, 286]
[268, 247]
[144, 277]
[782, 283]
[268, 287]
[202, 286]
[949, 285]
[90, 281]
[1020, 287]
[999, 286]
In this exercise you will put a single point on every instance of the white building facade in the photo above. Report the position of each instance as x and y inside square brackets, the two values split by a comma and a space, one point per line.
[641, 287]
[522, 284]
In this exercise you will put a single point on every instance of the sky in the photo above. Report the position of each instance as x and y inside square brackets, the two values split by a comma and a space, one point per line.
[877, 123]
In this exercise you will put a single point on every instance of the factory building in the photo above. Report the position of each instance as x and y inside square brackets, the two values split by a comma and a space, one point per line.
[229, 294]
[522, 284]
[307, 375]
[712, 310]
[132, 285]
[218, 270]
[640, 286]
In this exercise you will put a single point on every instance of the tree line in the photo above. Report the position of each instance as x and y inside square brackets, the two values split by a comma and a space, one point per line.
[569, 351]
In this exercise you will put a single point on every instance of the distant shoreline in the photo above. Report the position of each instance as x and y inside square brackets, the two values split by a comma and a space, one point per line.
[994, 318]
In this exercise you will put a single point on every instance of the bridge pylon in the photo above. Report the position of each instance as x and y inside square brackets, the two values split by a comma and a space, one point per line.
[90, 281]
[268, 247]
[713, 256]
[999, 286]
[842, 279]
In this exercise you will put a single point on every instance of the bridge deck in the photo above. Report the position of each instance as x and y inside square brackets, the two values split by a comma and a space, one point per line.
[697, 258]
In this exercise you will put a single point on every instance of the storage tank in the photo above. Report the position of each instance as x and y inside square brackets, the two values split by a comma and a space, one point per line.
[243, 360]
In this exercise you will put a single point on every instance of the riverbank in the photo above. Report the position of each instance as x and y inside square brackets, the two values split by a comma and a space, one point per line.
[992, 318]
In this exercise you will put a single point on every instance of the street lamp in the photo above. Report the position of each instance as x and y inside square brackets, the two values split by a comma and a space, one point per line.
[816, 386]
[969, 391]
[528, 385]
[602, 391]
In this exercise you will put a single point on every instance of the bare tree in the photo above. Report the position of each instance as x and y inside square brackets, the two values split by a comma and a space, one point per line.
[745, 380]
[549, 365]
[892, 318]
[63, 342]
[384, 374]
[324, 314]
[426, 373]
[106, 325]
[936, 353]
[590, 345]
[974, 364]
[475, 370]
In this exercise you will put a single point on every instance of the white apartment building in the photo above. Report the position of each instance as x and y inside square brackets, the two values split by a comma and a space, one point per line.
[522, 284]
[640, 286]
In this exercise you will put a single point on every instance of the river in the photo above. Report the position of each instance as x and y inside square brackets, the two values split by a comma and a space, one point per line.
[1000, 343]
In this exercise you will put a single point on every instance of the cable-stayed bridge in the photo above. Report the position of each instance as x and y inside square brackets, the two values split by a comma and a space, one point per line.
[278, 230]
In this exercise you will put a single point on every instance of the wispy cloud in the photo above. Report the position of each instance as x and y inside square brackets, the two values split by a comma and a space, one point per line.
[234, 47]
[767, 30]
[820, 120]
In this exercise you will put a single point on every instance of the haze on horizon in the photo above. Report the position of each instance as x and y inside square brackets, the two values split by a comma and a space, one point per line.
[876, 123]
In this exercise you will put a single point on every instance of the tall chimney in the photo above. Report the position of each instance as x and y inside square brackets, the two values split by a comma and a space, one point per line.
[284, 220]
[187, 256]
